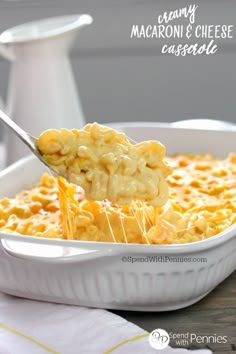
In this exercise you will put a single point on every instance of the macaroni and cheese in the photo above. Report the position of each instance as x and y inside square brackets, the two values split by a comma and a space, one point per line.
[201, 204]
[107, 165]
[33, 212]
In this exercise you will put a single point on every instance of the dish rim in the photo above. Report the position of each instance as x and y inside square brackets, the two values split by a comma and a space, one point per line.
[189, 247]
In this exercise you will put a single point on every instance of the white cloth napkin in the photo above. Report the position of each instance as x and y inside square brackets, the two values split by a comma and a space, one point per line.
[34, 327]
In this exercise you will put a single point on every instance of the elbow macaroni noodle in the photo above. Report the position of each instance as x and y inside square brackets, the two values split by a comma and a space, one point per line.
[201, 203]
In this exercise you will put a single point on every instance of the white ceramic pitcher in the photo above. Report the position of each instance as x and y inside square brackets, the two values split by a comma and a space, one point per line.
[41, 93]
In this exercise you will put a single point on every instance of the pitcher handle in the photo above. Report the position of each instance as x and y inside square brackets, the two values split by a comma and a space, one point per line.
[6, 52]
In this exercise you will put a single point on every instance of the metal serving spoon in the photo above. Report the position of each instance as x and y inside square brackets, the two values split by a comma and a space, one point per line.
[28, 139]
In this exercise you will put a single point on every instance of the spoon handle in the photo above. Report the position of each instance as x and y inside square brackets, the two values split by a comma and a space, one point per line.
[26, 138]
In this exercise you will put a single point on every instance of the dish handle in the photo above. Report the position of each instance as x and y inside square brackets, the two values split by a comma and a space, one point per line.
[54, 252]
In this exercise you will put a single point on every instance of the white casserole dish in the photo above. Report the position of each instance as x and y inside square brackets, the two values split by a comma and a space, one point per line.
[100, 274]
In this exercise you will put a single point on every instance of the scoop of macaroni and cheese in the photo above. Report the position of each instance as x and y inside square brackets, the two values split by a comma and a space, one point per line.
[107, 165]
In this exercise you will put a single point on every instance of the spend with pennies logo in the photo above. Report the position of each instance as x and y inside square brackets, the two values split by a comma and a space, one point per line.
[159, 339]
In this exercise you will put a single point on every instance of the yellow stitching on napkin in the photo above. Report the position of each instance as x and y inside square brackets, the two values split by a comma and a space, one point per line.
[25, 336]
[132, 339]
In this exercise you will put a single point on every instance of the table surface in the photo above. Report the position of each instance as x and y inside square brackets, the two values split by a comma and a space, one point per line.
[215, 314]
